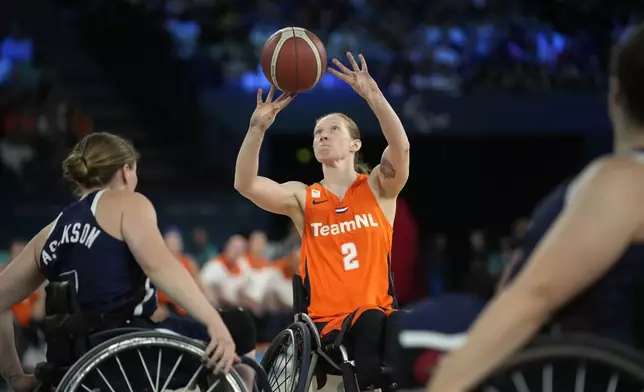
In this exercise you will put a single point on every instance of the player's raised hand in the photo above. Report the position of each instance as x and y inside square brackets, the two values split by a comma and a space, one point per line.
[358, 77]
[267, 109]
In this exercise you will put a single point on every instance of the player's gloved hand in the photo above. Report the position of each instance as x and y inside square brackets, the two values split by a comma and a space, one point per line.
[220, 353]
[266, 110]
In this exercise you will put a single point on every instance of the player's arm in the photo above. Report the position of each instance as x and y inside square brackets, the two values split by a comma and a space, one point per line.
[263, 192]
[17, 281]
[142, 235]
[22, 276]
[592, 232]
[392, 172]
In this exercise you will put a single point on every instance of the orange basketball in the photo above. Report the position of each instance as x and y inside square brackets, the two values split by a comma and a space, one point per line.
[293, 59]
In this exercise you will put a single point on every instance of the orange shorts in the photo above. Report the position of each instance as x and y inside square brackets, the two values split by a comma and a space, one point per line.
[327, 325]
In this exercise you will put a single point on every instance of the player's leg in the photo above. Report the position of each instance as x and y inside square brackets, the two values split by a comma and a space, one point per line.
[365, 336]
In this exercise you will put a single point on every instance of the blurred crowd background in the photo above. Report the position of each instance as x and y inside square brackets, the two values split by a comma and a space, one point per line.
[502, 99]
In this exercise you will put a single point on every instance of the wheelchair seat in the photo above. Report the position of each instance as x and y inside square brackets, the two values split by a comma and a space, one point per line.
[70, 333]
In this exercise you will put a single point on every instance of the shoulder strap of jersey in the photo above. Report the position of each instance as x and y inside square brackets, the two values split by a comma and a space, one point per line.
[96, 197]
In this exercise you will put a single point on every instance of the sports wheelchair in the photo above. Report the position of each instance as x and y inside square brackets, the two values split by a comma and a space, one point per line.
[96, 352]
[294, 354]
[553, 362]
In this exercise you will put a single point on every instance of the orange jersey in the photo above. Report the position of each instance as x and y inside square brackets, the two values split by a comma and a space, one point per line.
[22, 310]
[344, 259]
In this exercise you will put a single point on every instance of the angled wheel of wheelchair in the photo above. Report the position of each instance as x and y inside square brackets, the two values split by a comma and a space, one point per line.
[570, 363]
[147, 361]
[287, 361]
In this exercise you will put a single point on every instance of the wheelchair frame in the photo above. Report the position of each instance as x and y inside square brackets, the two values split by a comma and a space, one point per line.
[345, 368]
[64, 321]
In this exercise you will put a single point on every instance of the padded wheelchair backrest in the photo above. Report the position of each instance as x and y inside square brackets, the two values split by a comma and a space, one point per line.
[300, 296]
[61, 299]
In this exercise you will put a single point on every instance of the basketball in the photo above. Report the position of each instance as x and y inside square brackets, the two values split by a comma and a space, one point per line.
[293, 59]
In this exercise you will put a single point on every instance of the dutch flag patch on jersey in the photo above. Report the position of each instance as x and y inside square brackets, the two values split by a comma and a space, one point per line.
[341, 210]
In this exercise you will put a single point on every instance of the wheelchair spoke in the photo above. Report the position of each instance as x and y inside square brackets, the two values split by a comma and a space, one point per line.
[285, 369]
[547, 378]
[158, 369]
[147, 372]
[519, 382]
[105, 380]
[193, 379]
[279, 359]
[127, 381]
[85, 387]
[580, 379]
[174, 369]
[612, 383]
[214, 384]
[279, 372]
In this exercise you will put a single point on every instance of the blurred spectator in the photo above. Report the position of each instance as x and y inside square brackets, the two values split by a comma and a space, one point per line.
[499, 258]
[174, 242]
[435, 264]
[441, 46]
[226, 274]
[202, 249]
[257, 252]
[478, 247]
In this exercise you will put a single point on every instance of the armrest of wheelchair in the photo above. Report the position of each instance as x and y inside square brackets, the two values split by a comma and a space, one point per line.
[337, 351]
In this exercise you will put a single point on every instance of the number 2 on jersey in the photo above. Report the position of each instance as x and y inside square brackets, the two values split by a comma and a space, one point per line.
[350, 253]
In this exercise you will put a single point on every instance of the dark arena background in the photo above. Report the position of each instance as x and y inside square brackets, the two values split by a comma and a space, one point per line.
[501, 100]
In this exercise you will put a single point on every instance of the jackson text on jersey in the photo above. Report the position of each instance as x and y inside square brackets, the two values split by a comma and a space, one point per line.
[73, 233]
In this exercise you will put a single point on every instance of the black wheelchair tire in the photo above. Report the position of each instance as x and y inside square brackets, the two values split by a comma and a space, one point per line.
[584, 347]
[261, 380]
[305, 360]
[96, 352]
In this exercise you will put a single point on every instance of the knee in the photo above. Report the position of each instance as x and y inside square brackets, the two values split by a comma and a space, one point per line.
[242, 329]
[369, 326]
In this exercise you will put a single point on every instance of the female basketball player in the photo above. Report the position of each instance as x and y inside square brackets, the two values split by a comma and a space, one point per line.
[345, 220]
[108, 244]
[592, 246]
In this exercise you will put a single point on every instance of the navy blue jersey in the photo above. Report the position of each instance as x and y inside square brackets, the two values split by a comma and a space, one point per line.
[102, 268]
[608, 307]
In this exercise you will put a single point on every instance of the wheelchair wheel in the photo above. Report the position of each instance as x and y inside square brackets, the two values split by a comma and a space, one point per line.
[288, 359]
[147, 361]
[570, 363]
